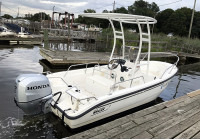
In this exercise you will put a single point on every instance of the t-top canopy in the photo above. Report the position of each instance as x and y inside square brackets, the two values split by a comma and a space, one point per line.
[125, 18]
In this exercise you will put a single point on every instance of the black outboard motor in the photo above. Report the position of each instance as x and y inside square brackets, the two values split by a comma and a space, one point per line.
[33, 93]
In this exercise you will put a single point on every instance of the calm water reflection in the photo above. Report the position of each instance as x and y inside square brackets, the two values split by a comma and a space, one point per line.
[13, 122]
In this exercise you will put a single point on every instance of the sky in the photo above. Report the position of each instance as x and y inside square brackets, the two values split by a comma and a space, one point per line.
[78, 6]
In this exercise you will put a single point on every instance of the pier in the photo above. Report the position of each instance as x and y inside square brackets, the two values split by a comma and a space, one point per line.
[178, 118]
[56, 34]
[55, 57]
[74, 57]
[196, 55]
[17, 40]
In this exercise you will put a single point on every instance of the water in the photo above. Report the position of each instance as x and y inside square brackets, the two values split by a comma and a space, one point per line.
[15, 124]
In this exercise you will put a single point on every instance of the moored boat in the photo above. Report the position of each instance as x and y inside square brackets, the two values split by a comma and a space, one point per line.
[4, 32]
[82, 96]
[23, 34]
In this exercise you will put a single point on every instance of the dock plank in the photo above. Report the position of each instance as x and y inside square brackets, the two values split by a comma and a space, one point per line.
[172, 122]
[190, 132]
[178, 128]
[175, 101]
[103, 128]
[194, 93]
[143, 135]
[146, 118]
[185, 105]
[134, 131]
[174, 110]
[178, 118]
[115, 131]
[197, 136]
[147, 126]
[148, 111]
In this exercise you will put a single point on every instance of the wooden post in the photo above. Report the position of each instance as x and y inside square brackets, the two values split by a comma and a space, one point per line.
[46, 39]
[107, 41]
[65, 19]
[68, 26]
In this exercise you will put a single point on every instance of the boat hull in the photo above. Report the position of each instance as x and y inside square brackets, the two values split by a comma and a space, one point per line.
[112, 106]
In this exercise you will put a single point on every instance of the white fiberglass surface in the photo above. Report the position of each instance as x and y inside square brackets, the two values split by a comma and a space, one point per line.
[101, 81]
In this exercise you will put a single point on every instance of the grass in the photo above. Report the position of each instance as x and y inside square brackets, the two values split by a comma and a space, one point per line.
[160, 42]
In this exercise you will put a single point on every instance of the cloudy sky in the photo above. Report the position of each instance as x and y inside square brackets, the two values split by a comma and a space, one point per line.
[78, 6]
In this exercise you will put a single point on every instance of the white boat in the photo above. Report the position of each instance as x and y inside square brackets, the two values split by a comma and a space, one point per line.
[23, 34]
[83, 96]
[4, 32]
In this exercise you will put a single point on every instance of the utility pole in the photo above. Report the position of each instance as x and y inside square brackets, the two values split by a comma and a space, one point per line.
[113, 6]
[18, 12]
[192, 19]
[53, 15]
[0, 7]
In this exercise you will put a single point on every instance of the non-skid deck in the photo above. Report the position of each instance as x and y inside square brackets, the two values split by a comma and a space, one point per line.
[178, 118]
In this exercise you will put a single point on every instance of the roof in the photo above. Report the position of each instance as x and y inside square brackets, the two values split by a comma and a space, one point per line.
[125, 18]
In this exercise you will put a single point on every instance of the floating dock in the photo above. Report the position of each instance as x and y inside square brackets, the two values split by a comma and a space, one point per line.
[74, 57]
[181, 54]
[58, 58]
[17, 40]
[178, 118]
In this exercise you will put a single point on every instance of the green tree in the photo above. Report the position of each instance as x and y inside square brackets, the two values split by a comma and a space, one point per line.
[105, 11]
[141, 7]
[161, 18]
[89, 11]
[7, 16]
[38, 17]
[121, 10]
[88, 21]
[154, 8]
[196, 26]
[179, 22]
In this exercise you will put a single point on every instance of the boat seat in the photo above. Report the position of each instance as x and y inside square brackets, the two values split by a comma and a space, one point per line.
[98, 85]
[80, 96]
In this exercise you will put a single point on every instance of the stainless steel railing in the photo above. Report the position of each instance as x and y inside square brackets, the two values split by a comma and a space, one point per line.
[86, 66]
[113, 86]
[170, 67]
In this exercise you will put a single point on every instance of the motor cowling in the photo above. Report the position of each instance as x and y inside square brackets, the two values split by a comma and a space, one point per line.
[33, 93]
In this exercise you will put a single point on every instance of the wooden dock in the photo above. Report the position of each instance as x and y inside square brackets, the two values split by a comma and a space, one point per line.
[181, 54]
[74, 57]
[178, 118]
[17, 40]
[58, 58]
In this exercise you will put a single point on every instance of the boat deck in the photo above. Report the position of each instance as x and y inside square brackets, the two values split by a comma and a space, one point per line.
[178, 118]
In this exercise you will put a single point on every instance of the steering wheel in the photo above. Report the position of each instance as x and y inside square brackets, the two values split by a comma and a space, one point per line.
[113, 64]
